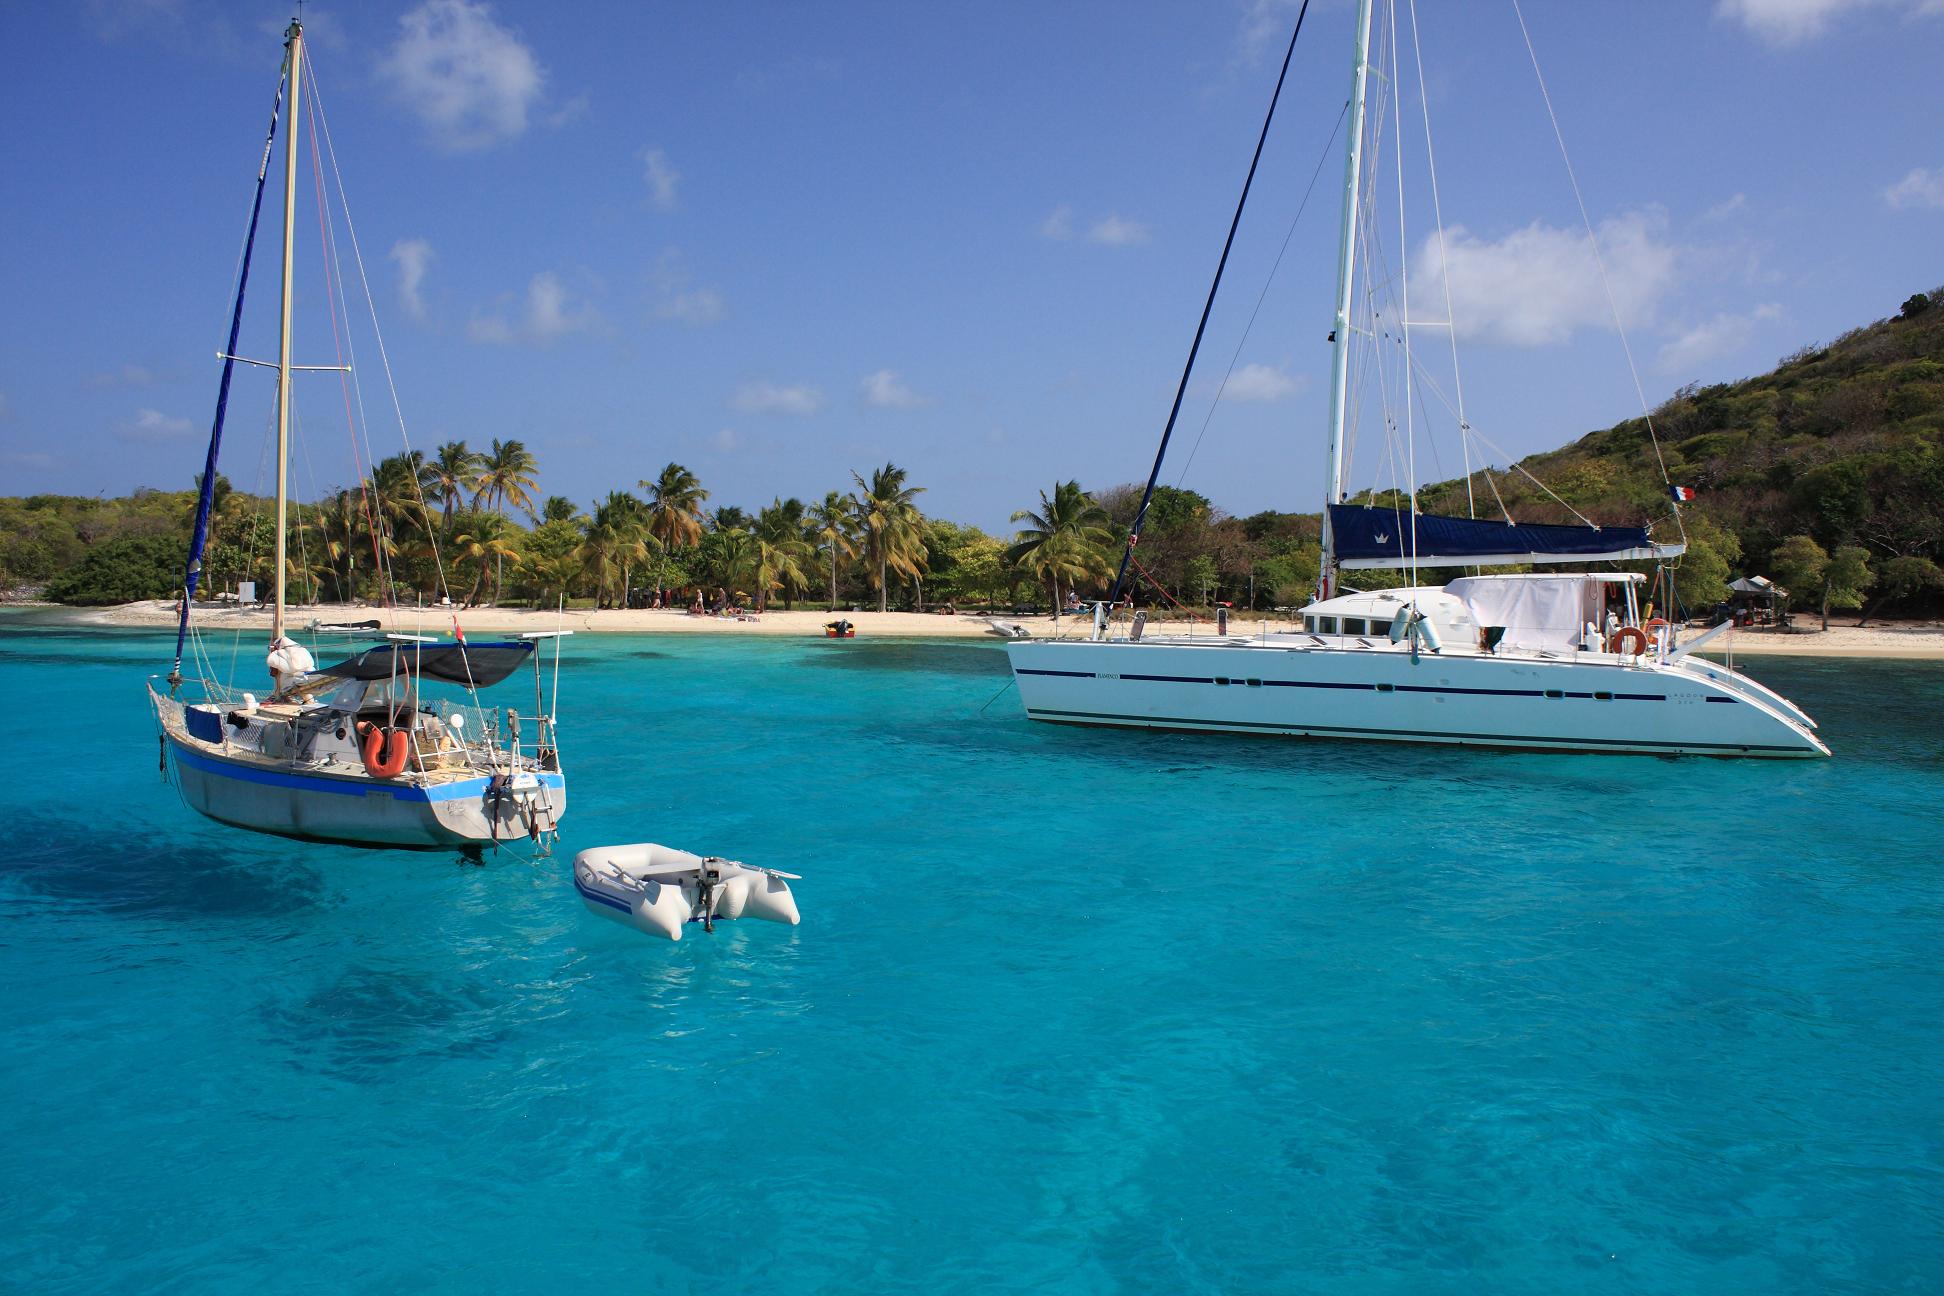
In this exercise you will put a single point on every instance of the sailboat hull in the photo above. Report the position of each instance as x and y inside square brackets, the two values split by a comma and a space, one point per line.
[1606, 704]
[358, 811]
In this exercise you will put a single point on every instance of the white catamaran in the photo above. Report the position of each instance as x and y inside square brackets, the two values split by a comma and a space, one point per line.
[353, 752]
[1561, 661]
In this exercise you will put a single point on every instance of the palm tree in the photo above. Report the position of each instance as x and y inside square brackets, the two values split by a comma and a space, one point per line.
[1067, 539]
[486, 536]
[508, 474]
[559, 508]
[833, 527]
[674, 512]
[452, 475]
[781, 551]
[621, 525]
[893, 528]
[339, 518]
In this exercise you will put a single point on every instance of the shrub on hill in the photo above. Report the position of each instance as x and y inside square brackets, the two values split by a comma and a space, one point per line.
[121, 571]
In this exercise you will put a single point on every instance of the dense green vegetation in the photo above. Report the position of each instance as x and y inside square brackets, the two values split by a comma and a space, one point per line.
[1841, 446]
[1827, 474]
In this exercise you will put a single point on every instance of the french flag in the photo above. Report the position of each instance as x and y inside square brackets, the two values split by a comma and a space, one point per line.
[1682, 494]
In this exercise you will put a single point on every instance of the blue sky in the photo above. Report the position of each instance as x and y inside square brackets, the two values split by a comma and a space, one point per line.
[779, 242]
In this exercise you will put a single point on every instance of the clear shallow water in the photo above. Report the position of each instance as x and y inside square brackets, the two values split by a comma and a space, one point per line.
[1070, 1011]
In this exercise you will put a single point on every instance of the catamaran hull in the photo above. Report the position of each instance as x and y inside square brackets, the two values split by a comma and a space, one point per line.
[1526, 702]
[361, 811]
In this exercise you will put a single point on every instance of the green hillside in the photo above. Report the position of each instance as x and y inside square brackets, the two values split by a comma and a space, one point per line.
[1842, 443]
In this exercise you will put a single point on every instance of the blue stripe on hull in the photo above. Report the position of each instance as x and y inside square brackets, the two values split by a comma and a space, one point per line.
[1526, 741]
[332, 785]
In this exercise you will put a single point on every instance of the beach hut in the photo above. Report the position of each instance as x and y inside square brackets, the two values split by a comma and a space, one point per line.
[1755, 600]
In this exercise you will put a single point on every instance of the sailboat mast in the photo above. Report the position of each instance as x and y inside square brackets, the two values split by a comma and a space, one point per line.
[1346, 268]
[294, 44]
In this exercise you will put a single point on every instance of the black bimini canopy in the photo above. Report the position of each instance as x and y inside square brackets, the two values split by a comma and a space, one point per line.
[1382, 537]
[476, 665]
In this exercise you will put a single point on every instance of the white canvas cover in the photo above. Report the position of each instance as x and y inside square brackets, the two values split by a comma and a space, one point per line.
[1537, 610]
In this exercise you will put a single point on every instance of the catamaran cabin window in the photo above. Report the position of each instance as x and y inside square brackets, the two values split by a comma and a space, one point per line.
[1326, 625]
[1353, 625]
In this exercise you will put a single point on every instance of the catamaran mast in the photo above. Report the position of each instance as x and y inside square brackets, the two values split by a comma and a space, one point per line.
[294, 45]
[1346, 267]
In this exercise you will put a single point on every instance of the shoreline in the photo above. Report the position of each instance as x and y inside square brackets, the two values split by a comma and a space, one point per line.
[1922, 641]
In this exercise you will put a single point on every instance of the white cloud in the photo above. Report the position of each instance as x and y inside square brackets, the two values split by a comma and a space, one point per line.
[676, 296]
[1923, 187]
[763, 397]
[1719, 338]
[548, 312]
[886, 390]
[1265, 28]
[1793, 22]
[26, 458]
[414, 257]
[1261, 382]
[1117, 231]
[1726, 207]
[1058, 223]
[661, 177]
[1537, 285]
[571, 111]
[129, 375]
[693, 306]
[154, 425]
[471, 82]
[725, 439]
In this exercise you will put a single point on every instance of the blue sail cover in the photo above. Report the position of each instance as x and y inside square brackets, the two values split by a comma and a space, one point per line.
[207, 494]
[1381, 537]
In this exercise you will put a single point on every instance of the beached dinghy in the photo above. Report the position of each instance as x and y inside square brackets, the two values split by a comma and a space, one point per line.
[659, 890]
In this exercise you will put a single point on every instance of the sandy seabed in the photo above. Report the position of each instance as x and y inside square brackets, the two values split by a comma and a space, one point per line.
[1892, 639]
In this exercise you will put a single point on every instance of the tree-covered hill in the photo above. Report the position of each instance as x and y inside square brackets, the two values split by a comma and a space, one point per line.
[1842, 443]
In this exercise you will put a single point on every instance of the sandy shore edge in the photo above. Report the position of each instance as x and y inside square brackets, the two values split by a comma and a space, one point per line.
[1910, 640]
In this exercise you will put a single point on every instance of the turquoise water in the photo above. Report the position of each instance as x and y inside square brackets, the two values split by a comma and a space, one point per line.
[1069, 1011]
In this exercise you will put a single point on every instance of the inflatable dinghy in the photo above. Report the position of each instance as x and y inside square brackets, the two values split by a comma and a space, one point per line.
[659, 890]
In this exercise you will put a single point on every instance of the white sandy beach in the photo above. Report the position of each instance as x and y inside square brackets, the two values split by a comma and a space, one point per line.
[1922, 640]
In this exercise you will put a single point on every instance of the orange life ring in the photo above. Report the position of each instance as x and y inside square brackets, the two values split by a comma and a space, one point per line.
[384, 749]
[1617, 640]
[1652, 624]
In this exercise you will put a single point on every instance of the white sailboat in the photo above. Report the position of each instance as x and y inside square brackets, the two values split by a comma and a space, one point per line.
[1555, 660]
[359, 751]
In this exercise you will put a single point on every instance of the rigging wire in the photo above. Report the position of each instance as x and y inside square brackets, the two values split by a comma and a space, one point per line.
[1599, 261]
[384, 355]
[1444, 262]
[333, 290]
[1321, 161]
[1404, 293]
[1161, 453]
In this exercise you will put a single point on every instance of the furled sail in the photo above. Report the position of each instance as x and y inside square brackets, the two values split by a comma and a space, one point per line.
[206, 493]
[1367, 536]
